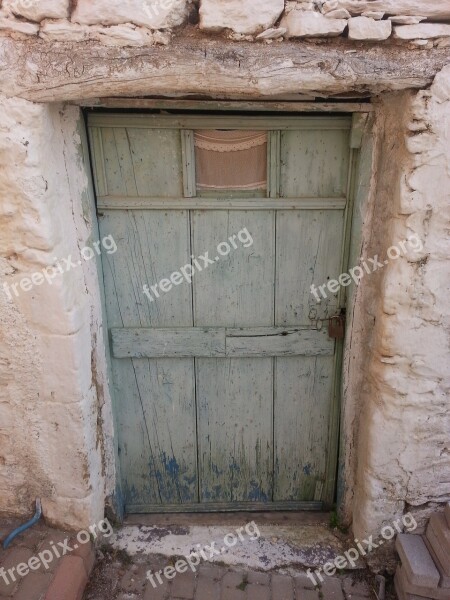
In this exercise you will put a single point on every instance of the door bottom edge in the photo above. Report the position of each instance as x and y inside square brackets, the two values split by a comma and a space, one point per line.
[224, 507]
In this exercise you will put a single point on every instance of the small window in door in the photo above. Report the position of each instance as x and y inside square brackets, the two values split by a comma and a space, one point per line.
[231, 163]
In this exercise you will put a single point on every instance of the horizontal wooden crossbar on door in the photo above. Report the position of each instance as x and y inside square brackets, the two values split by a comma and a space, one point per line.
[217, 342]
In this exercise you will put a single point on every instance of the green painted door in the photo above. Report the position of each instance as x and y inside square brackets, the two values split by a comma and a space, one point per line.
[225, 385]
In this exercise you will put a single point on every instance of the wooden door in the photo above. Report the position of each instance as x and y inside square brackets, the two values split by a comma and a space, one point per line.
[225, 385]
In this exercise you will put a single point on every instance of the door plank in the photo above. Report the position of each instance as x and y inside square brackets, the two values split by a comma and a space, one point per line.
[155, 398]
[308, 244]
[303, 392]
[234, 399]
[142, 162]
[237, 291]
[314, 163]
[235, 396]
[309, 247]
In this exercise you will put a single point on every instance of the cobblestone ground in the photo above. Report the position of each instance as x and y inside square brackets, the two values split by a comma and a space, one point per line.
[119, 577]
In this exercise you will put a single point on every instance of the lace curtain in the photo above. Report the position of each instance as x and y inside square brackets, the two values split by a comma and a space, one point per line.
[231, 160]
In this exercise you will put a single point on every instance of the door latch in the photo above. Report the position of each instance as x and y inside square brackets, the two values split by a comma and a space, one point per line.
[336, 327]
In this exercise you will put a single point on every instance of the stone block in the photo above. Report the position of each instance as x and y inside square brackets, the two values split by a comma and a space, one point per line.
[440, 549]
[69, 581]
[308, 595]
[10, 560]
[406, 20]
[160, 592]
[62, 30]
[444, 579]
[416, 560]
[422, 31]
[183, 585]
[38, 10]
[258, 592]
[373, 14]
[339, 13]
[301, 24]
[438, 10]
[303, 582]
[258, 577]
[401, 594]
[239, 15]
[331, 589]
[363, 28]
[34, 586]
[283, 587]
[355, 589]
[232, 579]
[212, 572]
[207, 589]
[438, 524]
[18, 26]
[86, 552]
[425, 592]
[154, 14]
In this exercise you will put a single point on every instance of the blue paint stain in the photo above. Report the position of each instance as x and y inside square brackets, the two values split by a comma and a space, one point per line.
[215, 469]
[234, 466]
[256, 494]
[308, 469]
[171, 466]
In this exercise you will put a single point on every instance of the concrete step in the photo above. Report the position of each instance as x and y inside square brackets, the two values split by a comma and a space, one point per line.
[447, 514]
[445, 579]
[407, 587]
[438, 523]
[401, 594]
[440, 552]
[416, 560]
[438, 534]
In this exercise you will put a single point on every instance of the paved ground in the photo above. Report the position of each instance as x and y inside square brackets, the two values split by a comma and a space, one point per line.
[51, 575]
[120, 577]
[270, 566]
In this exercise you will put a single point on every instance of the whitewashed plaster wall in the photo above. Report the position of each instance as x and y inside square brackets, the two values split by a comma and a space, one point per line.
[55, 411]
[397, 372]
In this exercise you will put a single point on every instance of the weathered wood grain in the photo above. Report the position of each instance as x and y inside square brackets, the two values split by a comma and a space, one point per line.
[219, 342]
[314, 163]
[50, 72]
[277, 341]
[155, 398]
[301, 104]
[149, 203]
[168, 343]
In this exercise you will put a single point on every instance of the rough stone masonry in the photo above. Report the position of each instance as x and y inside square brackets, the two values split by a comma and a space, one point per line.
[56, 415]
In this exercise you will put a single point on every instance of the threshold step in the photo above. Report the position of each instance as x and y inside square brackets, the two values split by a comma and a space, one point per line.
[416, 560]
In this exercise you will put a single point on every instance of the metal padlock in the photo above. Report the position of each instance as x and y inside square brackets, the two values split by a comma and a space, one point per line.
[336, 327]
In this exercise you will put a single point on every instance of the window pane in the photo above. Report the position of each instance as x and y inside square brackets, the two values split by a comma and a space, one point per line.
[230, 160]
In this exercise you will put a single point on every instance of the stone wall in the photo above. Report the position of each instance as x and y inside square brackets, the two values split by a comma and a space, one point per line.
[397, 376]
[55, 410]
[148, 22]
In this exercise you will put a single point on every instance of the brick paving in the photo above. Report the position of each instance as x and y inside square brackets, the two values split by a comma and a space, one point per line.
[64, 578]
[119, 577]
